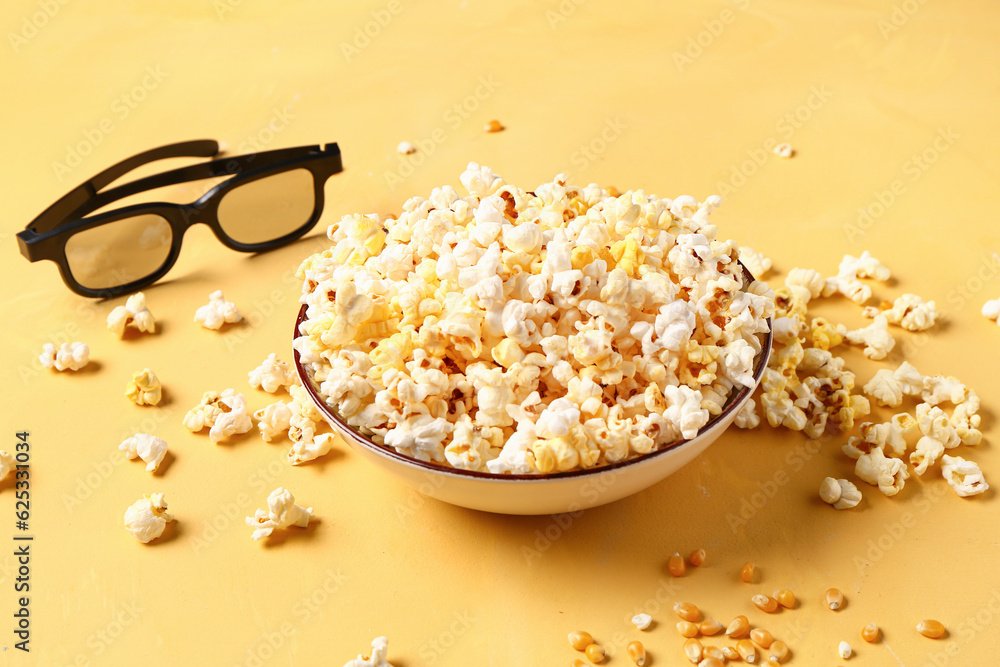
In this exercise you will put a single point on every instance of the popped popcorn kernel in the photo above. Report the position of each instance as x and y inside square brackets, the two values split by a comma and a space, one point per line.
[147, 518]
[225, 415]
[378, 658]
[7, 464]
[217, 312]
[273, 419]
[840, 493]
[406, 148]
[68, 356]
[784, 150]
[991, 310]
[910, 312]
[272, 374]
[757, 264]
[144, 446]
[281, 512]
[144, 388]
[875, 337]
[963, 476]
[303, 451]
[133, 313]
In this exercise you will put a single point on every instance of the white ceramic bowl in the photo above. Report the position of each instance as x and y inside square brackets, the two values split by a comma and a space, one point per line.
[537, 494]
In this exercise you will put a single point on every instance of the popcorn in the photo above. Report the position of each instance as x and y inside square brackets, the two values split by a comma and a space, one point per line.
[147, 518]
[938, 389]
[747, 417]
[147, 447]
[303, 451]
[642, 621]
[217, 312]
[378, 658]
[133, 313]
[69, 356]
[757, 264]
[864, 266]
[144, 388]
[927, 453]
[884, 388]
[282, 512]
[272, 374]
[6, 464]
[840, 493]
[908, 311]
[991, 310]
[934, 422]
[784, 150]
[963, 476]
[224, 414]
[406, 148]
[810, 279]
[273, 419]
[526, 332]
[875, 337]
[888, 473]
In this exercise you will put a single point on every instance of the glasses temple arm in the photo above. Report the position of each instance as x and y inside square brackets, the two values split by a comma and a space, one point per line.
[80, 196]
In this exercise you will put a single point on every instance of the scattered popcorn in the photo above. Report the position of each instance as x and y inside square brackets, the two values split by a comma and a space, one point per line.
[840, 493]
[134, 313]
[6, 464]
[147, 447]
[757, 264]
[888, 473]
[908, 311]
[282, 512]
[147, 518]
[493, 126]
[303, 451]
[938, 389]
[406, 148]
[273, 419]
[747, 417]
[934, 422]
[378, 658]
[784, 150]
[884, 388]
[69, 356]
[144, 388]
[272, 374]
[928, 451]
[844, 650]
[963, 476]
[810, 279]
[991, 310]
[528, 332]
[224, 414]
[217, 312]
[875, 337]
[864, 266]
[642, 621]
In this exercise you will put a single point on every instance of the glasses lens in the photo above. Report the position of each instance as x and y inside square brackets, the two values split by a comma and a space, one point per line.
[119, 252]
[268, 208]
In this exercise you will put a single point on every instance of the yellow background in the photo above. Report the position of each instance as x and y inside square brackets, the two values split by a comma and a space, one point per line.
[881, 100]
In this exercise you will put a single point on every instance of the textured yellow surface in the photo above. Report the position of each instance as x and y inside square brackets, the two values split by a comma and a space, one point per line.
[889, 106]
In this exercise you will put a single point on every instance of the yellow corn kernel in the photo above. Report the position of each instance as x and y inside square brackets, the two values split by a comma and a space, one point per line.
[747, 572]
[712, 662]
[729, 653]
[595, 654]
[779, 651]
[687, 611]
[747, 651]
[697, 557]
[761, 637]
[765, 603]
[738, 627]
[637, 652]
[931, 628]
[710, 627]
[785, 598]
[675, 565]
[688, 629]
[580, 640]
[578, 663]
[714, 653]
[870, 632]
[493, 126]
[693, 650]
[834, 599]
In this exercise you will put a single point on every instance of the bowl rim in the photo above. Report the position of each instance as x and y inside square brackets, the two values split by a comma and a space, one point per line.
[734, 402]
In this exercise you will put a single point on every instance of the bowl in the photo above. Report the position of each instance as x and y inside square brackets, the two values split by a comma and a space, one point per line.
[536, 494]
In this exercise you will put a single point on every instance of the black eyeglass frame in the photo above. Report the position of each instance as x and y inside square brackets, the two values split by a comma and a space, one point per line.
[46, 236]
